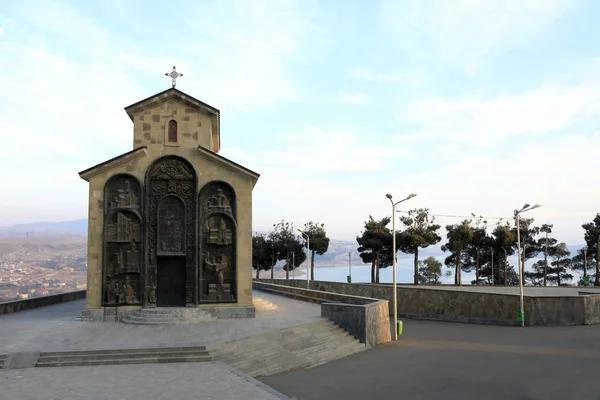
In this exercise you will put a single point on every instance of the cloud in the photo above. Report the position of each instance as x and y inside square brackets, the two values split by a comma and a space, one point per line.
[352, 98]
[1, 30]
[385, 77]
[492, 120]
[463, 33]
[315, 151]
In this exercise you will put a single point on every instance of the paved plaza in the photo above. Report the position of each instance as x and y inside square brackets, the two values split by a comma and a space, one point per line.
[446, 360]
[58, 327]
[183, 381]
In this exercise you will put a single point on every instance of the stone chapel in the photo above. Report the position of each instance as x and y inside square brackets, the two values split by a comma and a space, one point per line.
[170, 222]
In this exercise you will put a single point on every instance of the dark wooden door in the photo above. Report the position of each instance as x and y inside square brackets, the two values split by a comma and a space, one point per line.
[170, 286]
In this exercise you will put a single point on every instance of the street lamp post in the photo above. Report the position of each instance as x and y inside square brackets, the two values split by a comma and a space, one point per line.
[307, 258]
[526, 207]
[395, 295]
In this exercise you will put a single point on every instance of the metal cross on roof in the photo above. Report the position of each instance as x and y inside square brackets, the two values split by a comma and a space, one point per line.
[174, 75]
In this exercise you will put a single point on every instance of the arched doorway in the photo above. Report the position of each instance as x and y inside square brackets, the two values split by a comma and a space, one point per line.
[171, 216]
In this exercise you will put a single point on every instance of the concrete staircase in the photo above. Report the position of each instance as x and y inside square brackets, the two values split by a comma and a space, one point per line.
[167, 316]
[3, 358]
[124, 356]
[297, 347]
[263, 305]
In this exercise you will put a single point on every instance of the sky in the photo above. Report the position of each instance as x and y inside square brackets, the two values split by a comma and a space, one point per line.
[475, 106]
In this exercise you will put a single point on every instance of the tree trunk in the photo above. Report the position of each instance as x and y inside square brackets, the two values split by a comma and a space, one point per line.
[257, 271]
[477, 268]
[558, 272]
[597, 279]
[312, 265]
[546, 260]
[373, 269]
[416, 280]
[505, 268]
[287, 269]
[458, 269]
[272, 265]
[455, 274]
[377, 269]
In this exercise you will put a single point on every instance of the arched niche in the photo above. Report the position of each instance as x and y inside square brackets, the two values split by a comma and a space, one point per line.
[218, 244]
[171, 202]
[122, 241]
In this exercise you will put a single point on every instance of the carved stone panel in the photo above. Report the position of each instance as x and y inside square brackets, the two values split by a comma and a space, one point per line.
[171, 219]
[171, 226]
[219, 197]
[218, 269]
[122, 192]
[122, 255]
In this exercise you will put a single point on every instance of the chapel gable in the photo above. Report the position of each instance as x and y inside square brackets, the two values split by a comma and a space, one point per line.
[174, 119]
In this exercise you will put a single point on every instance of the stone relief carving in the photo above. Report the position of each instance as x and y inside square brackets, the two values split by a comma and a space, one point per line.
[122, 260]
[217, 243]
[220, 235]
[171, 228]
[217, 197]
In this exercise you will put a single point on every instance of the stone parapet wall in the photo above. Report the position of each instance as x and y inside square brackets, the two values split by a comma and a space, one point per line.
[27, 304]
[469, 306]
[368, 319]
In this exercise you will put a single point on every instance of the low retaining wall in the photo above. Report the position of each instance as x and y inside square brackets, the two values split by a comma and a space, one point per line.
[27, 304]
[466, 306]
[368, 319]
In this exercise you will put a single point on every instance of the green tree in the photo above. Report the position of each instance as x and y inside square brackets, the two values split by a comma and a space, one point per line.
[375, 245]
[459, 236]
[559, 267]
[530, 247]
[544, 243]
[475, 249]
[504, 240]
[261, 254]
[584, 263]
[319, 242]
[419, 231]
[284, 242]
[592, 241]
[430, 271]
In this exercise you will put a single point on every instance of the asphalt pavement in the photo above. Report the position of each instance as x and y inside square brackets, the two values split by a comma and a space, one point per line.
[444, 360]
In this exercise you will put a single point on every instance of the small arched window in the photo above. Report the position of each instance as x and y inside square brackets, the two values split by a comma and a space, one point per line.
[172, 136]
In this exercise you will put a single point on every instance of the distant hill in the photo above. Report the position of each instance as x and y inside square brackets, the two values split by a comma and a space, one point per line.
[76, 227]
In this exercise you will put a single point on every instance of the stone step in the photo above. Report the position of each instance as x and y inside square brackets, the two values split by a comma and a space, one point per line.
[253, 348]
[147, 322]
[117, 351]
[122, 356]
[156, 317]
[238, 345]
[301, 355]
[149, 360]
[3, 358]
[320, 358]
[276, 348]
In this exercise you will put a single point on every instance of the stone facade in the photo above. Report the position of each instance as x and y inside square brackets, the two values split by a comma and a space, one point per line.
[170, 222]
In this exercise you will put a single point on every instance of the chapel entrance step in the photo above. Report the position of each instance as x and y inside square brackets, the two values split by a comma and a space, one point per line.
[124, 356]
[167, 315]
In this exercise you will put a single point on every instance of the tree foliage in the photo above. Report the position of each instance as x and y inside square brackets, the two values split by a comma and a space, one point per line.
[419, 232]
[459, 236]
[592, 241]
[504, 241]
[430, 271]
[261, 254]
[319, 242]
[285, 243]
[375, 245]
